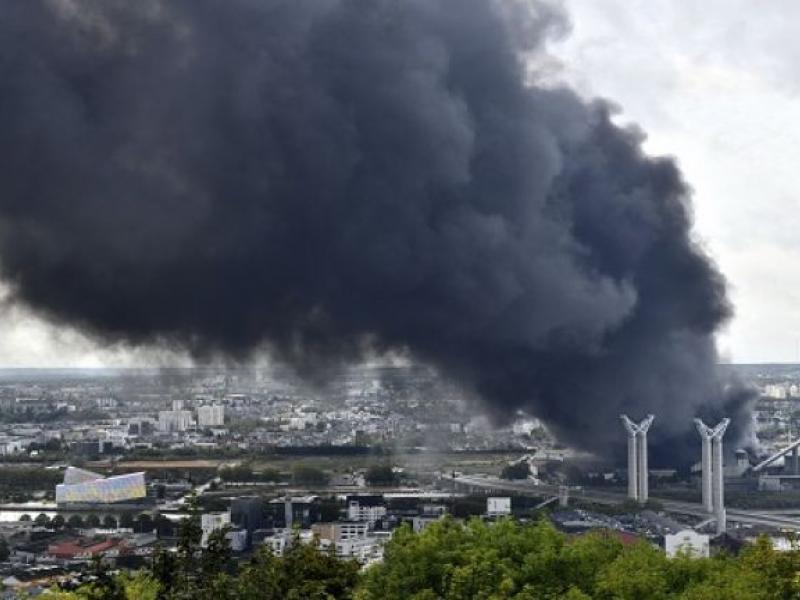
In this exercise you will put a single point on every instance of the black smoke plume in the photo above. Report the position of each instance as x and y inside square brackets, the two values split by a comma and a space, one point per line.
[328, 178]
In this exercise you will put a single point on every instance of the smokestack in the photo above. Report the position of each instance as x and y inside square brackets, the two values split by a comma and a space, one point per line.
[323, 182]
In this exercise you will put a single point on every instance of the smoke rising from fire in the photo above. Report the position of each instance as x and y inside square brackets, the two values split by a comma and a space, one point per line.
[332, 178]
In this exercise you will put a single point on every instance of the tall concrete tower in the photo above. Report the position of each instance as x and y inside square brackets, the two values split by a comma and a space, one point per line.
[713, 482]
[644, 479]
[707, 461]
[633, 450]
[638, 488]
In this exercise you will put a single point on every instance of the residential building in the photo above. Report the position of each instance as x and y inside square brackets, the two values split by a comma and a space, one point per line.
[211, 415]
[211, 522]
[170, 421]
[340, 531]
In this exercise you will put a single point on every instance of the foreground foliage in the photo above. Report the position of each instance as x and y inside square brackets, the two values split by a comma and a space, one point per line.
[451, 560]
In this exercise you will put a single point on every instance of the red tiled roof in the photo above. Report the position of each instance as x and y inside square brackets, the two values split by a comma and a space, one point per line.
[81, 548]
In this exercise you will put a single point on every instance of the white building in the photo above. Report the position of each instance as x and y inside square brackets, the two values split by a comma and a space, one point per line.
[366, 550]
[282, 539]
[361, 511]
[211, 415]
[279, 542]
[174, 420]
[211, 522]
[497, 507]
[418, 524]
[687, 542]
[237, 539]
[340, 531]
[775, 390]
[14, 445]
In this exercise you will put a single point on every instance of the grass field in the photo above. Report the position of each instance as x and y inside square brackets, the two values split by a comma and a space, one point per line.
[418, 462]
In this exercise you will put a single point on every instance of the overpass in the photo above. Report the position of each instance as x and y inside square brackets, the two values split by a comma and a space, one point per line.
[491, 485]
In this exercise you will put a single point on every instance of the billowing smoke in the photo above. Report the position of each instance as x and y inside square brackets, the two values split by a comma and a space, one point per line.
[329, 178]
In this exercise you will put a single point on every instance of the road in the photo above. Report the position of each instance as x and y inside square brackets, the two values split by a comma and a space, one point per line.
[748, 517]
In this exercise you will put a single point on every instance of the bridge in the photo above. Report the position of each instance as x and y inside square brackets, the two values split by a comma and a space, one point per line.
[489, 485]
[12, 512]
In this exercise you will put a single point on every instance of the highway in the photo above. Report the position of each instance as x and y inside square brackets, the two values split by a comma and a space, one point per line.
[747, 517]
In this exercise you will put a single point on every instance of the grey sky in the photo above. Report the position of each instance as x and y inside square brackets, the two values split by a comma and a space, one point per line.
[715, 84]
[712, 83]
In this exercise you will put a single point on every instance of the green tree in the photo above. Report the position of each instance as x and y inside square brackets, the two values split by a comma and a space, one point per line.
[58, 521]
[190, 535]
[109, 522]
[452, 560]
[164, 526]
[304, 572]
[93, 520]
[306, 475]
[140, 586]
[505, 560]
[243, 472]
[126, 586]
[104, 585]
[75, 522]
[638, 573]
[381, 475]
[215, 560]
[164, 567]
[126, 521]
[144, 523]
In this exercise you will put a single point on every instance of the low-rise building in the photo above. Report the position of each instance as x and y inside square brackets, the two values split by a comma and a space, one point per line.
[340, 531]
[366, 508]
[497, 507]
[687, 542]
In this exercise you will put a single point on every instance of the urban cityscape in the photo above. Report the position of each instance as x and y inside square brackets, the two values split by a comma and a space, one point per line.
[106, 464]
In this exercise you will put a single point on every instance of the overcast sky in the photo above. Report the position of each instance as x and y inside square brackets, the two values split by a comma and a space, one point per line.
[714, 84]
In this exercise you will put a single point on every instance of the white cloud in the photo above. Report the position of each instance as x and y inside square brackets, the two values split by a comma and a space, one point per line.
[27, 340]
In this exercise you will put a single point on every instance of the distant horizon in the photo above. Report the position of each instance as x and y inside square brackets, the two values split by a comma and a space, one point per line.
[272, 367]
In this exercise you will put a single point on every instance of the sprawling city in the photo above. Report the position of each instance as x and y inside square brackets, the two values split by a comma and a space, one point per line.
[106, 464]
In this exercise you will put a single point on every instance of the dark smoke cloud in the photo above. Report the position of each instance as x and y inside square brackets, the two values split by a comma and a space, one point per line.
[326, 178]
